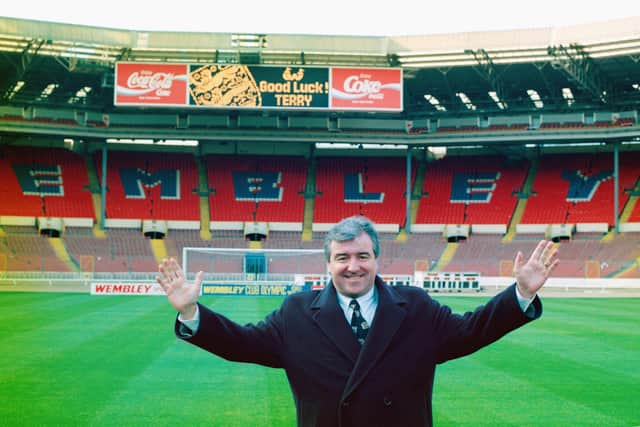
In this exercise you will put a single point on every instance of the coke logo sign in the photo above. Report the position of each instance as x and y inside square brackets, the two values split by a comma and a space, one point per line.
[156, 81]
[353, 84]
[366, 88]
[164, 84]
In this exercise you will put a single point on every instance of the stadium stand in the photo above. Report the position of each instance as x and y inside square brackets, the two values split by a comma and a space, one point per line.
[23, 249]
[547, 181]
[290, 239]
[127, 250]
[578, 188]
[371, 186]
[256, 188]
[150, 185]
[581, 257]
[470, 190]
[123, 250]
[41, 182]
[419, 252]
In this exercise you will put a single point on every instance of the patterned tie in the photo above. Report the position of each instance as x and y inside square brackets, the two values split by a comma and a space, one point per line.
[358, 324]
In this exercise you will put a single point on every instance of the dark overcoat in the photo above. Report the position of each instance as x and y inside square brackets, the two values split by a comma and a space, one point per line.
[334, 382]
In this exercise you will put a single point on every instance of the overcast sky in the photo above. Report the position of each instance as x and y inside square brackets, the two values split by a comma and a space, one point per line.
[331, 17]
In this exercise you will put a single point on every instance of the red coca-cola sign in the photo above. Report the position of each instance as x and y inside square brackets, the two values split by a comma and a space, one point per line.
[151, 84]
[366, 89]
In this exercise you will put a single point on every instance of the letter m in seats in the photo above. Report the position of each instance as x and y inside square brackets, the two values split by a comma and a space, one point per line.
[135, 179]
[39, 180]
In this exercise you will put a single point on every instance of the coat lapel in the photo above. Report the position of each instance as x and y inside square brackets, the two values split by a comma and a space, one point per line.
[389, 315]
[328, 315]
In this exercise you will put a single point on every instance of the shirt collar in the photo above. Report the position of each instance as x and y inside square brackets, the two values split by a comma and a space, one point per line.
[364, 300]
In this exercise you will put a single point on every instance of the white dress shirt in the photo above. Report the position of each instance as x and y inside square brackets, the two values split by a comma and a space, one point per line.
[368, 305]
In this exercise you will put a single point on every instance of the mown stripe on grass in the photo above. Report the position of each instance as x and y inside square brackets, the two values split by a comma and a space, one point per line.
[584, 355]
[471, 393]
[188, 386]
[605, 395]
[70, 367]
[617, 309]
[60, 322]
[20, 312]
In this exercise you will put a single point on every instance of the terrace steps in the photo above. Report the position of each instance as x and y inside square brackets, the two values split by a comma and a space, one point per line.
[629, 207]
[446, 257]
[522, 202]
[62, 253]
[159, 249]
[203, 192]
[416, 193]
[205, 219]
[309, 196]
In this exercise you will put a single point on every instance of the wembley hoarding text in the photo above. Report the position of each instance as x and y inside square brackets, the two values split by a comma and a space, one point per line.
[258, 87]
[126, 288]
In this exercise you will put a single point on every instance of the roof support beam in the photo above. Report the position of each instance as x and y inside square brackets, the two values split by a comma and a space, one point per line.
[553, 92]
[27, 56]
[487, 70]
[581, 68]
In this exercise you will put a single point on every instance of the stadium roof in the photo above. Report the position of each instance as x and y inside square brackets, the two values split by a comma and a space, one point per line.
[331, 17]
[598, 63]
[577, 68]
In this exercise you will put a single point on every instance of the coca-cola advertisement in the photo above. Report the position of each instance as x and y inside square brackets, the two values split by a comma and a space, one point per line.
[258, 86]
[151, 84]
[366, 89]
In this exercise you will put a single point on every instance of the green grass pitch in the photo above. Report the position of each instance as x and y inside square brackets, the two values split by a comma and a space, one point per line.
[75, 359]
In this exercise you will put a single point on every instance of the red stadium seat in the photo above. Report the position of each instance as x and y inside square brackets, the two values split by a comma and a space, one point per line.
[438, 206]
[273, 195]
[144, 186]
[383, 177]
[39, 182]
[552, 204]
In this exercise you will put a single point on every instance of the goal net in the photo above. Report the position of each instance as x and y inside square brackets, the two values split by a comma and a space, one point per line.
[256, 271]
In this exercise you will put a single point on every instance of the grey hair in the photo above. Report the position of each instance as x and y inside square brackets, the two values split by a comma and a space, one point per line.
[348, 229]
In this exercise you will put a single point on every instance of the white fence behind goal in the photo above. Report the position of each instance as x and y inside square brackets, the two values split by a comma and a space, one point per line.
[231, 270]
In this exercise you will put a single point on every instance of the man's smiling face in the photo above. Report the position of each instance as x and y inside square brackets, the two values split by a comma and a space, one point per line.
[353, 266]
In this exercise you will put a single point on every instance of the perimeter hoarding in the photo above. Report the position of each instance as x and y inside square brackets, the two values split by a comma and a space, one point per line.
[258, 87]
[250, 289]
[126, 288]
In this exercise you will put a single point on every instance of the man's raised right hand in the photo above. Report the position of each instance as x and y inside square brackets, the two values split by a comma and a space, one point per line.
[182, 295]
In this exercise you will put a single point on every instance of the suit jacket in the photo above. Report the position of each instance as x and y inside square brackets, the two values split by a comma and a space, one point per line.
[389, 381]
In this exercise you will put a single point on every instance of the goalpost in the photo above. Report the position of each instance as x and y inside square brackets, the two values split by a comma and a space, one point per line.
[244, 271]
[255, 271]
